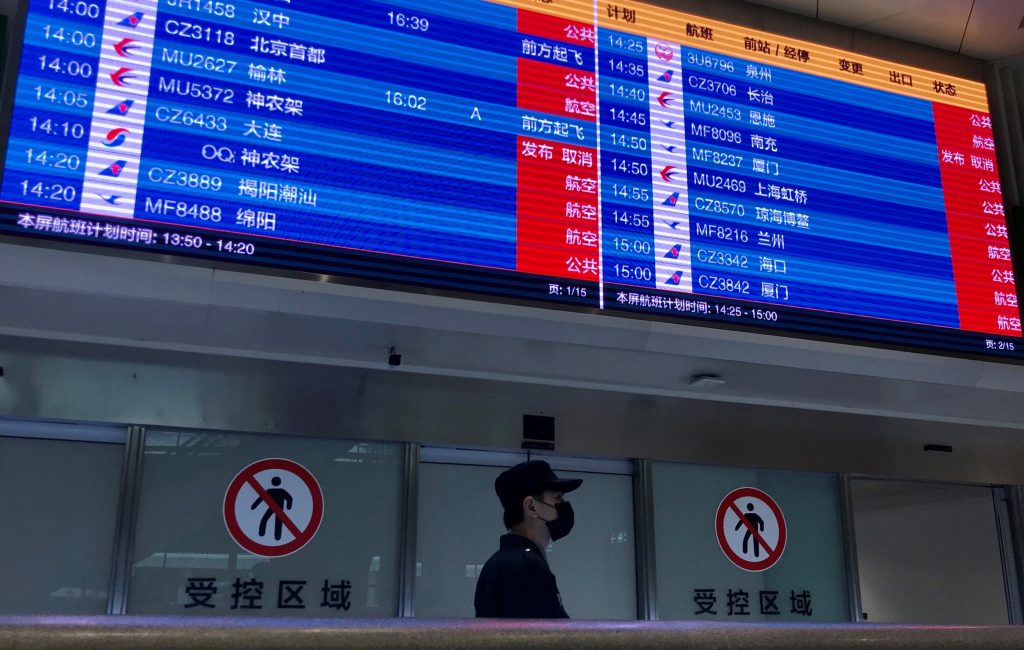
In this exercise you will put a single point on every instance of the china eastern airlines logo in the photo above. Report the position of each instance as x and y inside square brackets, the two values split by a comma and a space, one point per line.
[133, 20]
[116, 137]
[122, 77]
[125, 47]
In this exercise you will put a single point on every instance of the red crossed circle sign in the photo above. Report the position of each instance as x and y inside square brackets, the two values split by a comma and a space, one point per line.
[751, 529]
[273, 507]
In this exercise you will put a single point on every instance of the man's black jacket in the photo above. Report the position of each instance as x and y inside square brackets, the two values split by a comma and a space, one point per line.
[517, 583]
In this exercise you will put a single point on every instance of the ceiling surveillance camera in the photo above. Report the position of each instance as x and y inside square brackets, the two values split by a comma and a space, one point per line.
[394, 359]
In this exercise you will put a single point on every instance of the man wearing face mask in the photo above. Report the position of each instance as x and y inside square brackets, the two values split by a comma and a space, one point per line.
[517, 582]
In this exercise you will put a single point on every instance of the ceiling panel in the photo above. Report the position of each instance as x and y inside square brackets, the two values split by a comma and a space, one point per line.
[994, 30]
[937, 23]
[802, 7]
[861, 12]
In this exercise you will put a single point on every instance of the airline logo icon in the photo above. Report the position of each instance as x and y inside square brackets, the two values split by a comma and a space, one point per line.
[672, 199]
[116, 137]
[125, 47]
[663, 51]
[671, 148]
[676, 278]
[672, 224]
[673, 253]
[121, 77]
[666, 76]
[666, 99]
[668, 173]
[121, 108]
[114, 170]
[670, 124]
[133, 20]
[112, 199]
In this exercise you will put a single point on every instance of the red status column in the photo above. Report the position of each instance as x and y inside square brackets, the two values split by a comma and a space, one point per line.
[976, 219]
[557, 167]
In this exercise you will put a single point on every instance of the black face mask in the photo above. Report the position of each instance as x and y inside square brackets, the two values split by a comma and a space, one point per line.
[562, 526]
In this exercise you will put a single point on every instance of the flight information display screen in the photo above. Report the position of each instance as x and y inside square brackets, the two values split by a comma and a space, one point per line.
[614, 156]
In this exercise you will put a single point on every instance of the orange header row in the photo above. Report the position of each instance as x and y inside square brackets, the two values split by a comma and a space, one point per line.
[766, 48]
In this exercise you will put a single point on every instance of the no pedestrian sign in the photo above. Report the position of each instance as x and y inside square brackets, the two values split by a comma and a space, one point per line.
[751, 529]
[273, 507]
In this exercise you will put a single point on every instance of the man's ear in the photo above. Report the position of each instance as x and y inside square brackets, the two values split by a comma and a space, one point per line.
[528, 506]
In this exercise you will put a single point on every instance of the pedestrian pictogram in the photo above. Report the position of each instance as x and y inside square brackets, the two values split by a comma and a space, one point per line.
[751, 529]
[273, 507]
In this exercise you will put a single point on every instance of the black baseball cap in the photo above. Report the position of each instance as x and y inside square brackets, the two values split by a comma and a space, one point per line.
[528, 479]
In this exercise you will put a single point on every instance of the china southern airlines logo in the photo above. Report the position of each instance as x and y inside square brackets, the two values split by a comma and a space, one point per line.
[133, 20]
[121, 108]
[115, 169]
[116, 137]
[675, 279]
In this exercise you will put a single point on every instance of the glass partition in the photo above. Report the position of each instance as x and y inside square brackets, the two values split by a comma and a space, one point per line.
[210, 541]
[460, 523]
[59, 516]
[928, 553]
[743, 545]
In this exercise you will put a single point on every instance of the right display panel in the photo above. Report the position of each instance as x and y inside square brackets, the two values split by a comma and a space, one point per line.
[801, 176]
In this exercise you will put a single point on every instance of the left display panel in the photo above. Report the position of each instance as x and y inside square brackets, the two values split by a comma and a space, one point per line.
[236, 130]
